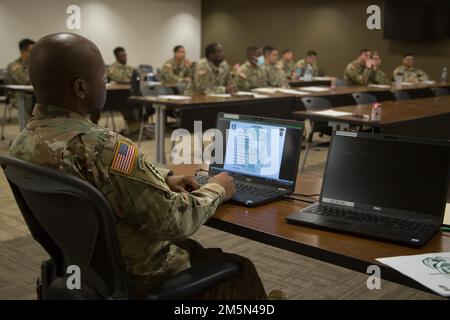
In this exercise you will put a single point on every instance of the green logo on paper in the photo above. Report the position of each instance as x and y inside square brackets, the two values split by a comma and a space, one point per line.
[440, 264]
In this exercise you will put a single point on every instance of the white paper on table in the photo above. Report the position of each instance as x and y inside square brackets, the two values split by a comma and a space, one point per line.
[220, 95]
[174, 97]
[19, 87]
[153, 83]
[429, 82]
[407, 83]
[316, 89]
[253, 94]
[447, 214]
[431, 270]
[293, 91]
[333, 113]
[266, 90]
[379, 86]
[323, 78]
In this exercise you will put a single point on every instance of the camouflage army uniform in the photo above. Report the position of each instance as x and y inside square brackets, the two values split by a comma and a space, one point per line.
[208, 78]
[152, 219]
[121, 73]
[302, 64]
[250, 77]
[287, 66]
[357, 74]
[410, 74]
[274, 76]
[379, 77]
[173, 73]
[17, 72]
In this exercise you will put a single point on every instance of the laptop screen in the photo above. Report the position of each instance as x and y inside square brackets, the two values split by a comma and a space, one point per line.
[259, 148]
[381, 172]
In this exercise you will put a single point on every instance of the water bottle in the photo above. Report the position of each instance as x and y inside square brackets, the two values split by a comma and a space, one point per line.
[308, 73]
[444, 75]
[376, 112]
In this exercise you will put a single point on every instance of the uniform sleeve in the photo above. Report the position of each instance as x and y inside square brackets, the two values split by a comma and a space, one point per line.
[422, 75]
[204, 83]
[379, 77]
[356, 77]
[18, 74]
[230, 83]
[142, 198]
[167, 74]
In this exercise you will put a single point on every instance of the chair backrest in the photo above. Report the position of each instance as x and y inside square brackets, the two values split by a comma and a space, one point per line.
[145, 68]
[74, 223]
[364, 98]
[402, 95]
[440, 91]
[135, 82]
[312, 103]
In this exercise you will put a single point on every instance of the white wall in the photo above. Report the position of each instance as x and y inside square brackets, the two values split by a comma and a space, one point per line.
[148, 29]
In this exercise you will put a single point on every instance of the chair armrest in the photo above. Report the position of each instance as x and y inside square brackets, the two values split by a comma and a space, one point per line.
[195, 280]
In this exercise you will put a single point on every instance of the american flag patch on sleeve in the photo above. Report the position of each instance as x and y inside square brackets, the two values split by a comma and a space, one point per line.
[124, 158]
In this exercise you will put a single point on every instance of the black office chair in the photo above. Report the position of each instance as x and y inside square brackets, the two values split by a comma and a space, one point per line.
[440, 91]
[402, 95]
[76, 226]
[364, 98]
[315, 103]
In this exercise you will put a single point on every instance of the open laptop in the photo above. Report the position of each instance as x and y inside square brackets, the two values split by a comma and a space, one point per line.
[262, 154]
[389, 187]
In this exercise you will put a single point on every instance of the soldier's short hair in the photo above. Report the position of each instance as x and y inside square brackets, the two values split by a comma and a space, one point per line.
[408, 54]
[210, 49]
[24, 43]
[311, 53]
[376, 53]
[176, 48]
[286, 51]
[268, 49]
[361, 51]
[117, 50]
[250, 50]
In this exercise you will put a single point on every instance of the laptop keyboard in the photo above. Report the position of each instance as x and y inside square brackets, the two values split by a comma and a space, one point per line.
[250, 189]
[370, 218]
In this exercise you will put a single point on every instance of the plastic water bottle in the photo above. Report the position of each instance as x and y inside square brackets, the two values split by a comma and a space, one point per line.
[308, 73]
[444, 75]
[376, 112]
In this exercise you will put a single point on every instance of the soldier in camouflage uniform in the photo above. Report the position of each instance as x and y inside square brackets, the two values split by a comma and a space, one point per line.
[212, 74]
[17, 73]
[408, 72]
[250, 75]
[177, 72]
[155, 210]
[274, 76]
[364, 71]
[378, 77]
[287, 63]
[311, 60]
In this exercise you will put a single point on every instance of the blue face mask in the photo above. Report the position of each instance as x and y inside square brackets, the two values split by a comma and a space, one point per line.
[261, 60]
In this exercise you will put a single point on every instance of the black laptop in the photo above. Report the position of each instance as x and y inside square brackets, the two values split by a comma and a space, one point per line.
[262, 154]
[389, 187]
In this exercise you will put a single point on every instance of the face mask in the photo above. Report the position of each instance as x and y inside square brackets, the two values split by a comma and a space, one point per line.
[261, 60]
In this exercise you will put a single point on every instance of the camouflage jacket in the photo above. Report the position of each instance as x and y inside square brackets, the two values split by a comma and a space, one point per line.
[151, 217]
[410, 74]
[119, 72]
[302, 64]
[357, 74]
[379, 77]
[173, 72]
[250, 77]
[274, 76]
[208, 78]
[17, 72]
[287, 66]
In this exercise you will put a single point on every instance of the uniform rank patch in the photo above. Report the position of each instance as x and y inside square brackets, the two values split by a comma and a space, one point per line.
[124, 158]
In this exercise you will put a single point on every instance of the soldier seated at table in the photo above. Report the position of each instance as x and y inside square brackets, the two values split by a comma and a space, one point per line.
[251, 75]
[274, 76]
[176, 72]
[407, 72]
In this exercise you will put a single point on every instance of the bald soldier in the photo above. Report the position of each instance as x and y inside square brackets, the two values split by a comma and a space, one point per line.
[212, 74]
[156, 210]
[250, 75]
[274, 76]
[17, 72]
[408, 72]
[177, 72]
[364, 70]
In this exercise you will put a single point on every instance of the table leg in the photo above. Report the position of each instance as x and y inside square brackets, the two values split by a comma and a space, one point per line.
[160, 128]
[21, 111]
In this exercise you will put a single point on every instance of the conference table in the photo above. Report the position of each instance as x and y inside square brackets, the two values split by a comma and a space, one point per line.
[266, 224]
[426, 117]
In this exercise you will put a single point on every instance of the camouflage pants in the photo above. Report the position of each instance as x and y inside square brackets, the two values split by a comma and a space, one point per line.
[247, 286]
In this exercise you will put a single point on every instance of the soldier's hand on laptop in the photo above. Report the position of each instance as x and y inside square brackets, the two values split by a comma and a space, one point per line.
[182, 183]
[227, 182]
